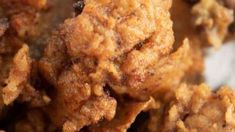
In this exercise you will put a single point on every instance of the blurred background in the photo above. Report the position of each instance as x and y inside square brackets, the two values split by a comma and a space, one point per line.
[220, 65]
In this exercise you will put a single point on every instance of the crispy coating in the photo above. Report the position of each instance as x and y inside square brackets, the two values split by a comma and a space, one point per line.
[90, 113]
[209, 18]
[166, 74]
[119, 44]
[214, 18]
[196, 108]
[126, 115]
[23, 15]
[110, 63]
[18, 75]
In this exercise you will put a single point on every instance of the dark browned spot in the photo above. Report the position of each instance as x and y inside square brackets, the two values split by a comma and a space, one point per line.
[78, 7]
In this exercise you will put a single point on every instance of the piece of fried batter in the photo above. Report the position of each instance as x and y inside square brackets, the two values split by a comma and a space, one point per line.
[111, 64]
[214, 19]
[196, 108]
[206, 21]
[18, 75]
[123, 45]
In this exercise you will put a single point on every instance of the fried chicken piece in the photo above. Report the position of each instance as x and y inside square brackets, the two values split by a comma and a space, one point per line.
[119, 42]
[111, 54]
[18, 75]
[214, 18]
[197, 108]
[164, 75]
[126, 115]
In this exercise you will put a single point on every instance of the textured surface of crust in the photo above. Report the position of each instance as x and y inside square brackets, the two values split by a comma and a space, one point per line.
[110, 67]
[125, 54]
[126, 115]
[215, 20]
[197, 108]
[118, 43]
[23, 15]
[18, 75]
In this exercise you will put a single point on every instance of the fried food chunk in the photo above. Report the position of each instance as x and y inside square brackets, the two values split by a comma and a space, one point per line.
[197, 108]
[214, 18]
[91, 112]
[119, 42]
[112, 58]
[18, 75]
[164, 75]
[23, 15]
[126, 115]
[209, 18]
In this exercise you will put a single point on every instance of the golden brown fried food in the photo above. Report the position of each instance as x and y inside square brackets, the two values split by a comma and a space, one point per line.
[186, 17]
[108, 64]
[126, 115]
[214, 18]
[196, 108]
[122, 45]
[23, 15]
[18, 75]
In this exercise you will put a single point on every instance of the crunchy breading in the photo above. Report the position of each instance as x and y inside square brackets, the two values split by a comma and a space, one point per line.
[214, 18]
[18, 75]
[118, 43]
[23, 15]
[126, 115]
[111, 65]
[196, 108]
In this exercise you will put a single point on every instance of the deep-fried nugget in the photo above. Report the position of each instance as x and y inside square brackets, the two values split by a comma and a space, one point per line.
[121, 44]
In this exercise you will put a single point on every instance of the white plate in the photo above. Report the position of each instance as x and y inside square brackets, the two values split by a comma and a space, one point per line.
[220, 66]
